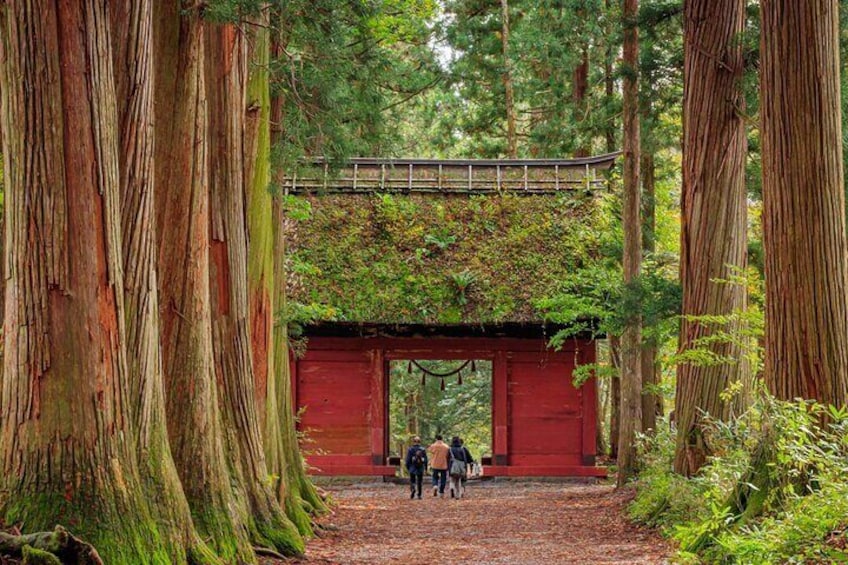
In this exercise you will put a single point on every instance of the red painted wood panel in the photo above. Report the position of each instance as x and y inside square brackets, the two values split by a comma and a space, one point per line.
[542, 425]
[337, 400]
[545, 411]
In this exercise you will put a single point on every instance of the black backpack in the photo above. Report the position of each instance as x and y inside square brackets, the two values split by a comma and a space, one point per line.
[418, 457]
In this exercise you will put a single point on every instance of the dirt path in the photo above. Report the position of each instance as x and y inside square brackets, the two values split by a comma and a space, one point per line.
[498, 523]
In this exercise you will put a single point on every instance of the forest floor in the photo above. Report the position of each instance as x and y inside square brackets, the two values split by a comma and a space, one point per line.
[499, 522]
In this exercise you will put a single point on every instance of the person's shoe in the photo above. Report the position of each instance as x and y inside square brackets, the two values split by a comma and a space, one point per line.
[435, 491]
[411, 495]
[441, 495]
[419, 496]
[452, 494]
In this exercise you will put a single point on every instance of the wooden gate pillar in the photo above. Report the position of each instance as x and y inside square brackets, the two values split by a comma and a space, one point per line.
[500, 408]
[379, 404]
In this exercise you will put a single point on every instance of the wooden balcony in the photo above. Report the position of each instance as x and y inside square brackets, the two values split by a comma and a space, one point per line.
[450, 176]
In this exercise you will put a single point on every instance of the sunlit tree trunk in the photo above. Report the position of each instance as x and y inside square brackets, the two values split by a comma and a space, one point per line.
[631, 339]
[226, 68]
[195, 426]
[66, 428]
[713, 223]
[803, 202]
[132, 25]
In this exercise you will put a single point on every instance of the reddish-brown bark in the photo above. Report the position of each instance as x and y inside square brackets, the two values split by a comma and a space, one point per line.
[713, 224]
[132, 25]
[631, 339]
[226, 67]
[66, 432]
[195, 427]
[803, 202]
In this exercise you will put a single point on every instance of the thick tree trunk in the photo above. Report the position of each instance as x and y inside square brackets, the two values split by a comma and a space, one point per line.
[226, 67]
[713, 238]
[631, 339]
[509, 89]
[803, 202]
[133, 54]
[260, 268]
[66, 434]
[195, 426]
[302, 498]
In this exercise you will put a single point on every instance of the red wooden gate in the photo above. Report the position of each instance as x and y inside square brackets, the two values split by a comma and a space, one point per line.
[541, 424]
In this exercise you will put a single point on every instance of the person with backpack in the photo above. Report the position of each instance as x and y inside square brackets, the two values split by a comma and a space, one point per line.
[457, 466]
[416, 464]
[469, 463]
[439, 450]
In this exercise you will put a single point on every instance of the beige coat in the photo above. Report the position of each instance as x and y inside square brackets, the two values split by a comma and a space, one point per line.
[439, 455]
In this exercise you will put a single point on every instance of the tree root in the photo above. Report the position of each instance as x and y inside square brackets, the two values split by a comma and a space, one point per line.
[34, 548]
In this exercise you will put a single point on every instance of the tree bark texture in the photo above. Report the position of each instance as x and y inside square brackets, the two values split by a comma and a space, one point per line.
[260, 269]
[803, 202]
[631, 339]
[509, 89]
[195, 426]
[226, 66]
[66, 434]
[615, 396]
[652, 403]
[579, 90]
[302, 498]
[713, 224]
[132, 25]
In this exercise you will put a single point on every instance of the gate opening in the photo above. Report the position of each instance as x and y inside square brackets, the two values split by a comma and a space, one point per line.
[446, 397]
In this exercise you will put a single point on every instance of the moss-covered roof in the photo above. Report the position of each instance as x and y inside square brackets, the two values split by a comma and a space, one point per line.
[439, 260]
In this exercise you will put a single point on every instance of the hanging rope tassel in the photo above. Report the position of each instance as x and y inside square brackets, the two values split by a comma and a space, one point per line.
[409, 368]
[443, 383]
[459, 380]
[423, 379]
[473, 366]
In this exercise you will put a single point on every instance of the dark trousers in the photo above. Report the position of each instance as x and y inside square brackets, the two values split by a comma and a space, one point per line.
[440, 477]
[416, 480]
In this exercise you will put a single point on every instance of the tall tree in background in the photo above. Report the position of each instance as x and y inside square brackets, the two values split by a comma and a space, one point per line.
[631, 340]
[509, 90]
[713, 224]
[66, 425]
[803, 202]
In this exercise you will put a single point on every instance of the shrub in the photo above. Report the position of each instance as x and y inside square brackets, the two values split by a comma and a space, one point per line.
[775, 490]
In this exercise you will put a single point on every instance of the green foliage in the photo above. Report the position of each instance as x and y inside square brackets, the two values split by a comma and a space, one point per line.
[419, 259]
[463, 410]
[804, 509]
[344, 69]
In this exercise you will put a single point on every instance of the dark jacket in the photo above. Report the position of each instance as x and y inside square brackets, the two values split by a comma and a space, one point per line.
[459, 452]
[413, 470]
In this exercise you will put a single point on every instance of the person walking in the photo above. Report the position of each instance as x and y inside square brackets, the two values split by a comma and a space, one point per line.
[439, 451]
[469, 462]
[416, 464]
[458, 466]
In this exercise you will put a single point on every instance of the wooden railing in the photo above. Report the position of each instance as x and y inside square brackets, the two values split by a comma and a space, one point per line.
[450, 176]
